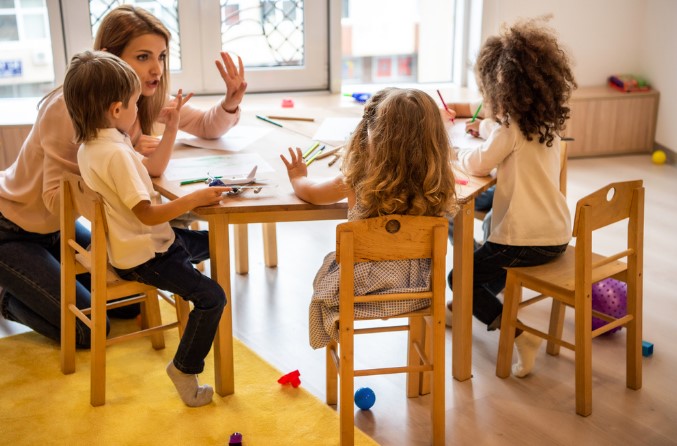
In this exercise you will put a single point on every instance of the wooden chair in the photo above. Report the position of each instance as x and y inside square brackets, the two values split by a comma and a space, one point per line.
[393, 237]
[108, 290]
[568, 280]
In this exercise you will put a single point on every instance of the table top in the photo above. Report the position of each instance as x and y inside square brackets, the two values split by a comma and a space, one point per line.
[273, 142]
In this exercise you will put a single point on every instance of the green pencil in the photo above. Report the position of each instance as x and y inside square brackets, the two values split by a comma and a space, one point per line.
[477, 112]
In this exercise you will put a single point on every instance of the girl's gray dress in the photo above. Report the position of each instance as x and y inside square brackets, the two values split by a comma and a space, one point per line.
[401, 276]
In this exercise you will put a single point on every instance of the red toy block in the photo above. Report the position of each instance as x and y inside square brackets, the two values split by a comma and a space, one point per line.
[291, 378]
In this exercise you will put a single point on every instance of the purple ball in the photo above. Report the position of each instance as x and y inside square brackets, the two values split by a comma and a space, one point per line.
[609, 296]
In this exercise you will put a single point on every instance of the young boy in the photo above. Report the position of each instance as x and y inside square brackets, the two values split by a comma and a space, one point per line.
[101, 92]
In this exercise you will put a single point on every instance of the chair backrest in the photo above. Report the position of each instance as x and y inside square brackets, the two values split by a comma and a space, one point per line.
[79, 200]
[612, 203]
[392, 237]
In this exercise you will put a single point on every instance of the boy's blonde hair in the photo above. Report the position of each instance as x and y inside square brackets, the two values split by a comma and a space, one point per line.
[94, 81]
[525, 78]
[117, 29]
[398, 161]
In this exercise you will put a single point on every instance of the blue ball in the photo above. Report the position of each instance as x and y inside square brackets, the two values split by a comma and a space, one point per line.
[365, 398]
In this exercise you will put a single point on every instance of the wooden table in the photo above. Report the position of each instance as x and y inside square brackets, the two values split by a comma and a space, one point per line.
[279, 204]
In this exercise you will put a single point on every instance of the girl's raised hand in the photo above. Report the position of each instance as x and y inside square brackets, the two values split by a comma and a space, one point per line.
[296, 166]
[169, 115]
[236, 84]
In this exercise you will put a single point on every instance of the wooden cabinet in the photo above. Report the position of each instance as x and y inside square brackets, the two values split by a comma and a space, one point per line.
[605, 121]
[11, 140]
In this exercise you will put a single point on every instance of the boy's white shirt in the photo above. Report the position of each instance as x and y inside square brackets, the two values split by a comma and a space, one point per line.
[111, 167]
[528, 207]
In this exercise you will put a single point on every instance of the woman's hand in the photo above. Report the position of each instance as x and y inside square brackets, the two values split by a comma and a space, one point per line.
[169, 115]
[234, 79]
[296, 166]
[146, 144]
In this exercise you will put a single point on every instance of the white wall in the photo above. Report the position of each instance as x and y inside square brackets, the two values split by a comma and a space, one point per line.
[658, 57]
[607, 37]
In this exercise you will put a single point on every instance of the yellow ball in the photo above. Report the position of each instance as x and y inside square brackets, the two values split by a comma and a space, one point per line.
[658, 157]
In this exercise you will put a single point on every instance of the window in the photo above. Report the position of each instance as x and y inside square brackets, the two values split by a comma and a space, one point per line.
[273, 37]
[26, 67]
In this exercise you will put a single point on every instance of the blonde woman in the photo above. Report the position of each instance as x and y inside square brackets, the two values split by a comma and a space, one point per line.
[397, 162]
[29, 188]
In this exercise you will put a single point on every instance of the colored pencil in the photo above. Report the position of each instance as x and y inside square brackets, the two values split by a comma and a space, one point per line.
[263, 118]
[291, 118]
[444, 103]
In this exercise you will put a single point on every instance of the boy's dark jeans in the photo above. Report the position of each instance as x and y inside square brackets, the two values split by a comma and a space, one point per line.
[489, 275]
[174, 271]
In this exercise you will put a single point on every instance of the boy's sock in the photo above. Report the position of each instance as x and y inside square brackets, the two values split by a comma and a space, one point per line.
[527, 347]
[186, 384]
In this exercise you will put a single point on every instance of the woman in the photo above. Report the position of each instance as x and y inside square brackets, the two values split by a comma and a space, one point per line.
[29, 188]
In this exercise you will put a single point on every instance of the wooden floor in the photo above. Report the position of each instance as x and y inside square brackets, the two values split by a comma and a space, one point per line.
[271, 317]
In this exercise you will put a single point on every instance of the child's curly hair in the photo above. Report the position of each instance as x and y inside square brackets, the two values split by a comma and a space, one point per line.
[524, 76]
[398, 160]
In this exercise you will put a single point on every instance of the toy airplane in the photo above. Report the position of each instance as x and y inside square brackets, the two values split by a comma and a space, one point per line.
[234, 181]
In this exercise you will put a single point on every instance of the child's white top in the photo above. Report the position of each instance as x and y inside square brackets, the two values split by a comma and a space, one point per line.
[111, 167]
[528, 207]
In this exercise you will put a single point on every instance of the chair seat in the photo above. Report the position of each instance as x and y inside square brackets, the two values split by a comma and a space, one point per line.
[558, 276]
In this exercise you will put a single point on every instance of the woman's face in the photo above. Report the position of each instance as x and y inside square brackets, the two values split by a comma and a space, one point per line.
[147, 54]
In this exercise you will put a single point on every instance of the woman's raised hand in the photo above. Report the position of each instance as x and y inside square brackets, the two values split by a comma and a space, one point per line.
[236, 84]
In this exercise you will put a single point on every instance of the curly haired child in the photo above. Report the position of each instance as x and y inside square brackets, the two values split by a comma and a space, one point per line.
[398, 161]
[525, 79]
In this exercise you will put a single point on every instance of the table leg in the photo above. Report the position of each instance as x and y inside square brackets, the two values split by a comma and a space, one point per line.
[219, 251]
[270, 244]
[461, 353]
[241, 241]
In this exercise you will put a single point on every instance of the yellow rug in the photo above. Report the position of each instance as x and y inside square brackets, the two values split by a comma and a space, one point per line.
[41, 406]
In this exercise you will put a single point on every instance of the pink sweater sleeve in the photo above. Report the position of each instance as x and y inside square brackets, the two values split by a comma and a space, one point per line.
[208, 124]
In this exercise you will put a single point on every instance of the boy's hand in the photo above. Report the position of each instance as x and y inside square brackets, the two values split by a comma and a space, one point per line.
[234, 79]
[473, 128]
[448, 115]
[208, 195]
[170, 114]
[296, 166]
[146, 144]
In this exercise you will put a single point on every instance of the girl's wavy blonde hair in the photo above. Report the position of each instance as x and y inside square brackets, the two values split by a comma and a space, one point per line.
[398, 160]
[525, 78]
[117, 29]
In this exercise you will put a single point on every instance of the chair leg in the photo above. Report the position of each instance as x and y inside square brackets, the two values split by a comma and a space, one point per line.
[331, 379]
[633, 360]
[438, 393]
[346, 389]
[68, 321]
[583, 354]
[151, 309]
[557, 313]
[426, 378]
[182, 310]
[98, 351]
[506, 342]
[416, 336]
[270, 244]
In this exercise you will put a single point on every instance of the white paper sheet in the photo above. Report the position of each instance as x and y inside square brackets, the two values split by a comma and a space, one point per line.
[462, 140]
[236, 139]
[217, 165]
[336, 129]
